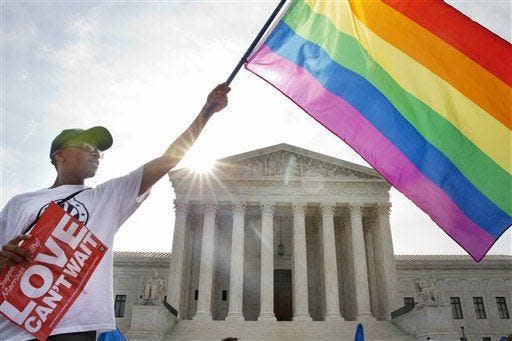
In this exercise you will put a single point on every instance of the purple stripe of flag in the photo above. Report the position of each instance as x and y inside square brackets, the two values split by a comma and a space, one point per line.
[347, 123]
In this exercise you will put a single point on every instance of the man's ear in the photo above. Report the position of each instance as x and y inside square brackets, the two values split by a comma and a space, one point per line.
[58, 157]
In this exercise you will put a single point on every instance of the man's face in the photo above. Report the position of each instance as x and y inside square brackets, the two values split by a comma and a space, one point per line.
[78, 161]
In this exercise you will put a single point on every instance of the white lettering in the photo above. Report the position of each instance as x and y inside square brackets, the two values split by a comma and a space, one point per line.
[72, 268]
[80, 257]
[52, 298]
[43, 312]
[61, 280]
[85, 249]
[60, 256]
[69, 236]
[30, 328]
[14, 278]
[36, 270]
[14, 314]
[88, 239]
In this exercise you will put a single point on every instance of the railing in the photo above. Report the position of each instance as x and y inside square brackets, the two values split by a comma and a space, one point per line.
[402, 311]
[170, 308]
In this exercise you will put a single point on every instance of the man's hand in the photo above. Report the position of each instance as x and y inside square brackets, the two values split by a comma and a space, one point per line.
[155, 169]
[218, 98]
[13, 254]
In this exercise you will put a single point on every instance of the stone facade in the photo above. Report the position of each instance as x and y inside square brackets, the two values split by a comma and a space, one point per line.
[285, 234]
[460, 277]
[457, 276]
[268, 198]
[131, 269]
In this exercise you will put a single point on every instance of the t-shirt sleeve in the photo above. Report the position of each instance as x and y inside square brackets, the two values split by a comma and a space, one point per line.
[123, 194]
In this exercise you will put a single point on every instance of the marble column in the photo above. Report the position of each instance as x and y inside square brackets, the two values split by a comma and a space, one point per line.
[387, 258]
[267, 263]
[370, 260]
[300, 266]
[175, 280]
[332, 300]
[204, 300]
[236, 277]
[363, 311]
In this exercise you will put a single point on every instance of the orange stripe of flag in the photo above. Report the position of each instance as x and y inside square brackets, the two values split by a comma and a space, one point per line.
[473, 81]
[486, 48]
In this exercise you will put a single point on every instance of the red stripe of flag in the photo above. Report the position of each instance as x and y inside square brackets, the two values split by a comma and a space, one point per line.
[481, 45]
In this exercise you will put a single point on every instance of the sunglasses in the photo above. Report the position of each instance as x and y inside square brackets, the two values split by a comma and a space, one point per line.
[87, 147]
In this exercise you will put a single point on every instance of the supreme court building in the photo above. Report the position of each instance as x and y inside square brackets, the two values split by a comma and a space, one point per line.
[266, 219]
[286, 243]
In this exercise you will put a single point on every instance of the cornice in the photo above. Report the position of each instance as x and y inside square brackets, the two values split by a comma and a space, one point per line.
[266, 187]
[403, 262]
[412, 262]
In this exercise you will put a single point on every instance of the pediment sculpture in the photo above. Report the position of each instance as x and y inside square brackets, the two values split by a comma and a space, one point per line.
[287, 164]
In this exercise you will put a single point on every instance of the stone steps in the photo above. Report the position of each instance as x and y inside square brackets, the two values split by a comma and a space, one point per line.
[293, 330]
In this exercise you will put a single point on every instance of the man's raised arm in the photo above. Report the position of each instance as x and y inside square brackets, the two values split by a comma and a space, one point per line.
[157, 168]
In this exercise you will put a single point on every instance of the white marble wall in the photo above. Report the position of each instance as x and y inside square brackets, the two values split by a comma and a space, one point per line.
[130, 270]
[457, 276]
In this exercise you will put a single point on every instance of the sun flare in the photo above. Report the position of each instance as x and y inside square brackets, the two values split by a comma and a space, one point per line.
[201, 166]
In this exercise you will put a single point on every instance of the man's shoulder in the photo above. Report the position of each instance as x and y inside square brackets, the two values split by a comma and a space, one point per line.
[27, 197]
[121, 182]
[23, 196]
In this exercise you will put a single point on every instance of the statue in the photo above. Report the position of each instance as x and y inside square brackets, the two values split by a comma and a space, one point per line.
[153, 290]
[426, 289]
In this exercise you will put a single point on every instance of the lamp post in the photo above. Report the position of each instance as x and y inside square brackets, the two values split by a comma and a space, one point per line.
[463, 335]
[280, 247]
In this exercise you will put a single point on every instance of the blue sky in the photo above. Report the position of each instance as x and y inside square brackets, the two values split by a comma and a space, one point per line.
[143, 70]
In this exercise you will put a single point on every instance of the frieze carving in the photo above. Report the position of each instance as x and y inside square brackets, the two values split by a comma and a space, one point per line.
[263, 185]
[289, 165]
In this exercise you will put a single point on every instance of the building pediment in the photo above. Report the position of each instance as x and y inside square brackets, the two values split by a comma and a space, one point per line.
[287, 162]
[281, 172]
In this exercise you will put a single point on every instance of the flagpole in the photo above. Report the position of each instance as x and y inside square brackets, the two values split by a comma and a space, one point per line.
[237, 68]
[255, 42]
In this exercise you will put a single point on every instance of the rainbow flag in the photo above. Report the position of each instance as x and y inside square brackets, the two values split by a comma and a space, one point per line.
[420, 91]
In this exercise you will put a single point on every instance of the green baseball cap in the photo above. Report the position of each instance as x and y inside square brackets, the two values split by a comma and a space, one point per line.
[98, 136]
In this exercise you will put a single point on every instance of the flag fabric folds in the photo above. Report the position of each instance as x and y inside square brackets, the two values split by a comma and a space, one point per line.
[419, 90]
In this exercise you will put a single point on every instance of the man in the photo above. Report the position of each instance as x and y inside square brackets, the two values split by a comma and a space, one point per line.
[75, 153]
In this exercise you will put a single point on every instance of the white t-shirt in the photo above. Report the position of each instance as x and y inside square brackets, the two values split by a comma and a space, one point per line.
[103, 210]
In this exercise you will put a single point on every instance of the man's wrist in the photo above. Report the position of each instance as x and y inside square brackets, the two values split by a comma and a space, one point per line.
[205, 114]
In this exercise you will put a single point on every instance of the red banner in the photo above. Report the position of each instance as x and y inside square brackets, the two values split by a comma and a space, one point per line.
[35, 295]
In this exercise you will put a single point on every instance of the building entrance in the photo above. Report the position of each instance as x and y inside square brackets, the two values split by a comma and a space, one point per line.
[283, 294]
